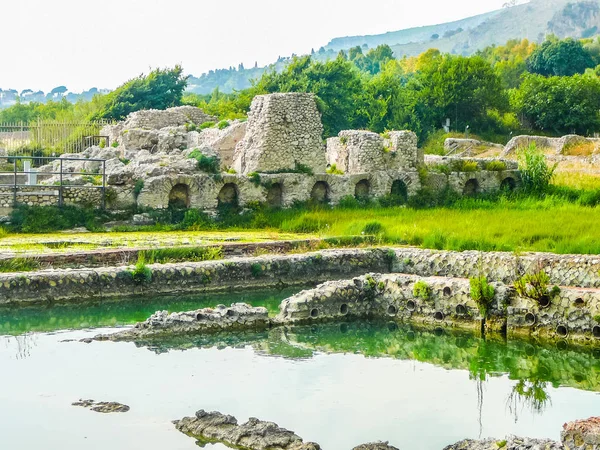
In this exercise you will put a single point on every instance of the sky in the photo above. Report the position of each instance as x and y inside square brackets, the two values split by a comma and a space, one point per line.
[83, 44]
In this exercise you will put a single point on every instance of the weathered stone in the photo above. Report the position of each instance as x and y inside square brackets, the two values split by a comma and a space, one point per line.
[252, 435]
[102, 407]
[284, 131]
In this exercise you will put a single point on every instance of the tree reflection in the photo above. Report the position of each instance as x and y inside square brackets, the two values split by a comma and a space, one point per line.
[530, 394]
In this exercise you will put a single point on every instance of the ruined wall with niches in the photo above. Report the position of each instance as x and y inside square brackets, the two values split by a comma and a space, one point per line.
[283, 131]
[563, 270]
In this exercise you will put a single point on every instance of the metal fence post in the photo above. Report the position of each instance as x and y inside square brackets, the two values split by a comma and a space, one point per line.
[15, 181]
[104, 184]
[60, 188]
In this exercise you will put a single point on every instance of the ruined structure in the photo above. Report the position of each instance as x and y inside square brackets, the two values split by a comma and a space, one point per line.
[180, 157]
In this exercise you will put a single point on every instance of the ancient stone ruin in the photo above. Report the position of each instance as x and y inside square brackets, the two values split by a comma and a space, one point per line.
[181, 157]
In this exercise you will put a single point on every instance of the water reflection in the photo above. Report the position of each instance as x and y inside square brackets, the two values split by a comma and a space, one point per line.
[23, 343]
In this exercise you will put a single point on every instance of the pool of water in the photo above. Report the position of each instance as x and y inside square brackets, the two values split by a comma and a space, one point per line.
[339, 385]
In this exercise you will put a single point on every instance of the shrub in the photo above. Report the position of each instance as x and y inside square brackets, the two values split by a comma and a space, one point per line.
[256, 270]
[194, 219]
[124, 161]
[373, 228]
[254, 178]
[441, 168]
[222, 124]
[141, 272]
[344, 140]
[535, 287]
[208, 164]
[137, 189]
[102, 143]
[333, 170]
[483, 294]
[536, 175]
[44, 219]
[465, 166]
[496, 166]
[422, 290]
[206, 125]
[302, 168]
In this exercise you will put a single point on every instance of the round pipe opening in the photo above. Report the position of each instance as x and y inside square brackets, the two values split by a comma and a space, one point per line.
[579, 303]
[344, 309]
[544, 301]
[530, 319]
[461, 310]
[392, 310]
[230, 313]
[411, 305]
[314, 313]
[439, 316]
[596, 332]
[447, 292]
[199, 316]
[562, 331]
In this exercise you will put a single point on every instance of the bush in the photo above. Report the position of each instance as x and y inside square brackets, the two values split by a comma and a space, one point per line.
[206, 125]
[483, 294]
[536, 175]
[496, 166]
[137, 189]
[333, 170]
[465, 166]
[256, 270]
[254, 178]
[141, 273]
[194, 219]
[222, 124]
[208, 164]
[422, 290]
[44, 219]
[374, 228]
[535, 287]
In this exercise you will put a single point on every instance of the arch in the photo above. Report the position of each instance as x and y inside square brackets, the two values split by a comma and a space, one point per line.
[471, 188]
[508, 184]
[275, 195]
[399, 191]
[179, 197]
[320, 192]
[362, 190]
[228, 195]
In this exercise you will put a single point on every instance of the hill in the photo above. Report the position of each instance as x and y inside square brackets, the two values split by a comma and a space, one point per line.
[534, 21]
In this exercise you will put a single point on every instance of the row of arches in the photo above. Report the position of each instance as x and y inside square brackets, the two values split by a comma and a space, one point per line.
[179, 196]
[472, 186]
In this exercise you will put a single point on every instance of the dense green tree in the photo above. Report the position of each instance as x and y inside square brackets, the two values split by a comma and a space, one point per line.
[560, 58]
[160, 89]
[456, 87]
[560, 104]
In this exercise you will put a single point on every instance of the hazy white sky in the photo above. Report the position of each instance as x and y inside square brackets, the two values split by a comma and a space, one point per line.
[84, 44]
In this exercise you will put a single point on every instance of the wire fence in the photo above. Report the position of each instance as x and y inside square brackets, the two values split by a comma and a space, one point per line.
[48, 137]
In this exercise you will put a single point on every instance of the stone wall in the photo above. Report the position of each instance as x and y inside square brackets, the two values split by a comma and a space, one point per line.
[49, 196]
[573, 315]
[283, 130]
[78, 285]
[558, 145]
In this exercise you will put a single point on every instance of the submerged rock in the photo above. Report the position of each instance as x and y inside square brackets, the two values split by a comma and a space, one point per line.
[102, 407]
[239, 316]
[252, 435]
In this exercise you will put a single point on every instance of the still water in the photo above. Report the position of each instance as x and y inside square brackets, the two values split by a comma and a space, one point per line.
[338, 385]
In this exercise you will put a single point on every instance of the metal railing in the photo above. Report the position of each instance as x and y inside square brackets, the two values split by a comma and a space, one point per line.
[32, 176]
[22, 138]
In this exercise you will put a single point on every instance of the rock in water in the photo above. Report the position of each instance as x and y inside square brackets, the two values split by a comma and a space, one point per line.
[102, 407]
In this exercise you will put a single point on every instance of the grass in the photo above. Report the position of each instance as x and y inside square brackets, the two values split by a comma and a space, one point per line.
[18, 265]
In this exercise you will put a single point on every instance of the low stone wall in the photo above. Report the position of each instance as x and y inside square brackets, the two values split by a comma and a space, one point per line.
[210, 276]
[49, 196]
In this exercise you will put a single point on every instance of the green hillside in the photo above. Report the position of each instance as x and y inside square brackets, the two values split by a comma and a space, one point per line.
[534, 21]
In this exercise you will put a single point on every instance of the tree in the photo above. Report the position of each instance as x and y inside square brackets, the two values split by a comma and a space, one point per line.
[560, 58]
[456, 87]
[561, 104]
[160, 89]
